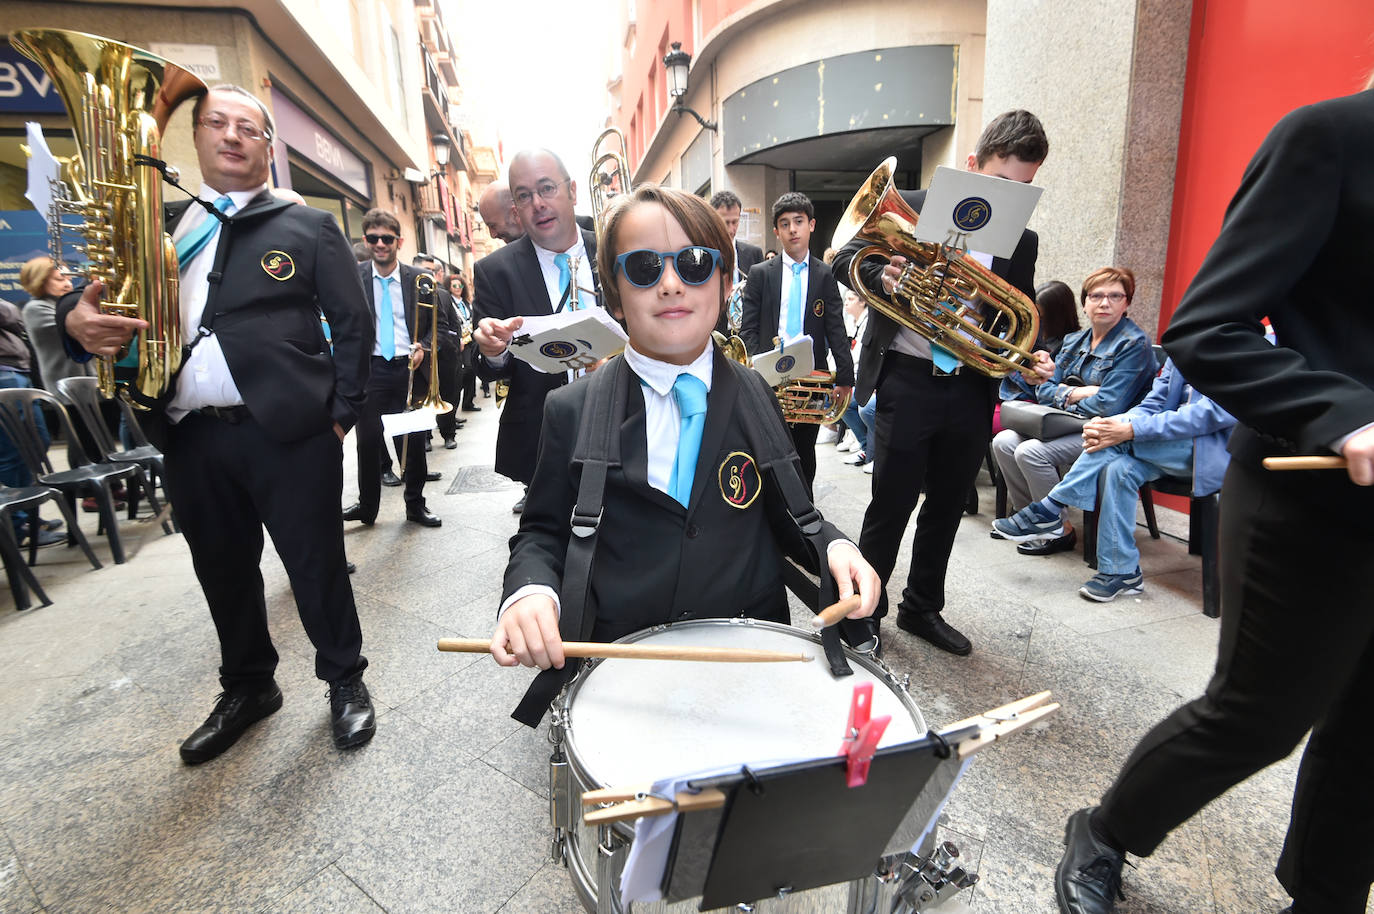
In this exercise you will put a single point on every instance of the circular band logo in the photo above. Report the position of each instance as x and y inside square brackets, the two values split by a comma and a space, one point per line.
[972, 213]
[278, 265]
[558, 349]
[819, 308]
[784, 364]
[740, 482]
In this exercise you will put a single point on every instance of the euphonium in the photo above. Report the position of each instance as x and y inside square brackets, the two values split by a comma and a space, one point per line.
[119, 99]
[807, 400]
[604, 185]
[942, 294]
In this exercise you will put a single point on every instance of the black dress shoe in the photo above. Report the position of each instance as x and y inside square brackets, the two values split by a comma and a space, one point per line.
[350, 707]
[390, 479]
[423, 517]
[355, 512]
[459, 423]
[519, 506]
[429, 445]
[234, 713]
[1050, 547]
[1088, 879]
[433, 476]
[933, 628]
[350, 567]
[450, 444]
[471, 408]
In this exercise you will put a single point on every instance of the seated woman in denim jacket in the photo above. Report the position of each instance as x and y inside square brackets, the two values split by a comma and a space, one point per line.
[1102, 370]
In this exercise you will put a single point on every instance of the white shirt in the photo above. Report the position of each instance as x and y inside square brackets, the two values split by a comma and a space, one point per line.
[398, 312]
[910, 342]
[205, 379]
[787, 279]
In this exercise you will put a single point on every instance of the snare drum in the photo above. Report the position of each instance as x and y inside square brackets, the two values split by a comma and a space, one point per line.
[632, 722]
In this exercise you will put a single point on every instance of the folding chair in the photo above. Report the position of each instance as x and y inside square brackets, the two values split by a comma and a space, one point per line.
[28, 498]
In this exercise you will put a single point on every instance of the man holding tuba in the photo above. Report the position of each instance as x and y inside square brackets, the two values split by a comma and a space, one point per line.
[255, 421]
[933, 420]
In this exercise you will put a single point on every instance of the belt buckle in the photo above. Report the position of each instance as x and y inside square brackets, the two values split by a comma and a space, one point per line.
[939, 372]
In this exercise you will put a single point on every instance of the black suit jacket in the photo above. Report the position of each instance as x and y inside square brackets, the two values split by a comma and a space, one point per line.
[406, 275]
[282, 265]
[1293, 247]
[823, 314]
[746, 256]
[656, 561]
[1019, 271]
[507, 283]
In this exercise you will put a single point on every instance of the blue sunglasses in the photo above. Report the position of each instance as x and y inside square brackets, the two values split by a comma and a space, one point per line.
[644, 268]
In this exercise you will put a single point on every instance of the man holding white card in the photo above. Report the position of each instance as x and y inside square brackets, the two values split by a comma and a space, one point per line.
[546, 271]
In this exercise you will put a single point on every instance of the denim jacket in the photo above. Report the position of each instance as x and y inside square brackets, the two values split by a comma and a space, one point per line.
[1123, 365]
[1173, 409]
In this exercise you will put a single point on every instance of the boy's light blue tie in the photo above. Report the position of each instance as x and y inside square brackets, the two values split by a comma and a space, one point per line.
[690, 393]
[794, 304]
[198, 237]
[386, 331]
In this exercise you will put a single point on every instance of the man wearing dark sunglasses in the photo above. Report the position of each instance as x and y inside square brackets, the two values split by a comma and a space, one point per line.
[547, 270]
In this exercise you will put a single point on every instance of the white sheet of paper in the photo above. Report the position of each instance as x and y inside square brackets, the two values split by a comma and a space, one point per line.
[416, 420]
[43, 170]
[793, 360]
[568, 340]
[976, 212]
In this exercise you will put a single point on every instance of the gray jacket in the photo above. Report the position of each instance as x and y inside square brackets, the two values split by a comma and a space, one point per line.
[41, 320]
[14, 352]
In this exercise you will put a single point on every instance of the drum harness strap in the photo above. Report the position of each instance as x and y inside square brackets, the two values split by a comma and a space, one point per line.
[598, 449]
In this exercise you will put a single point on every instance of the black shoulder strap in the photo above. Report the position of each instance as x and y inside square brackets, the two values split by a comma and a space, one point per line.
[777, 455]
[598, 449]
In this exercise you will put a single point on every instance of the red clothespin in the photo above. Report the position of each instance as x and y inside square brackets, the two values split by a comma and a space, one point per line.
[861, 735]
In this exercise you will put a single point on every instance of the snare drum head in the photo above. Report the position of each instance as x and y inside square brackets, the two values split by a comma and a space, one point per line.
[637, 721]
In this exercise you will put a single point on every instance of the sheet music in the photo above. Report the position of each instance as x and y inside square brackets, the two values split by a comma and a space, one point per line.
[793, 360]
[567, 340]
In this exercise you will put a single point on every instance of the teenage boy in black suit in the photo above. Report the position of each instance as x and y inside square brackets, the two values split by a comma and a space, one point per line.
[934, 419]
[401, 349]
[254, 423]
[796, 294]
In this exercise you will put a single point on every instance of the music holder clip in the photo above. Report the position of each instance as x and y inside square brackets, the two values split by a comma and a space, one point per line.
[861, 735]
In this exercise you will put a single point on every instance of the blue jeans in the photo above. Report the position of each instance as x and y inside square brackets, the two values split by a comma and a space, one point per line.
[1123, 470]
[855, 423]
[13, 471]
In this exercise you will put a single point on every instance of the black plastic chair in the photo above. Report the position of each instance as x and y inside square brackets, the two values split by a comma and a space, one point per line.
[84, 478]
[83, 395]
[28, 498]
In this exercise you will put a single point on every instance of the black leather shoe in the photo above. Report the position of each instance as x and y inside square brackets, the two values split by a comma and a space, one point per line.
[1050, 547]
[933, 628]
[390, 479]
[470, 408]
[350, 567]
[459, 423]
[1088, 879]
[519, 506]
[234, 713]
[423, 517]
[350, 707]
[355, 512]
[450, 444]
[433, 476]
[429, 445]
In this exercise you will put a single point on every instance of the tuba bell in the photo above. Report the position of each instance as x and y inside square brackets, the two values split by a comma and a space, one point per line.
[942, 294]
[119, 99]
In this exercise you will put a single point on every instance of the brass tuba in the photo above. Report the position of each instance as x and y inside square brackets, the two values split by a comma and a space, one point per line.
[605, 184]
[119, 99]
[943, 294]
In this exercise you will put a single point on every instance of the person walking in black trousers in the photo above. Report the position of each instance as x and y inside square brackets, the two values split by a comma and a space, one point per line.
[1297, 603]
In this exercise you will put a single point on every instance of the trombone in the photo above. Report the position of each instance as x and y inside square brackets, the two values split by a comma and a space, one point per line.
[424, 298]
[605, 184]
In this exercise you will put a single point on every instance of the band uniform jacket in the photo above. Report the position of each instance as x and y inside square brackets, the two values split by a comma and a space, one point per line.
[1019, 271]
[285, 264]
[406, 275]
[507, 283]
[822, 315]
[1291, 248]
[657, 562]
[746, 255]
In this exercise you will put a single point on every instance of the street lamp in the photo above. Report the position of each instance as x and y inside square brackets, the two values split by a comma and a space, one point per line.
[442, 145]
[677, 62]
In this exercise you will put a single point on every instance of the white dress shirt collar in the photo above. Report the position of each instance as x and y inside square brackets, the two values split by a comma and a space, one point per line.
[659, 376]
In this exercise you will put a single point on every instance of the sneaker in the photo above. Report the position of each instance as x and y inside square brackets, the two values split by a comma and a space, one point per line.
[868, 467]
[1032, 522]
[1104, 588]
[858, 458]
[848, 444]
[827, 435]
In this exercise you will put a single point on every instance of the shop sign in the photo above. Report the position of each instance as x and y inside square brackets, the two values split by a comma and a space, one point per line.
[25, 87]
[299, 131]
[200, 59]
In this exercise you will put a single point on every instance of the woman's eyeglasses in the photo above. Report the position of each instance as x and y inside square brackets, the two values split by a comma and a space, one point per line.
[644, 268]
[1098, 298]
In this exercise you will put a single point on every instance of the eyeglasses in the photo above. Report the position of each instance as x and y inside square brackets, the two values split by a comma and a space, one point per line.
[644, 268]
[545, 189]
[1115, 298]
[246, 129]
[384, 239]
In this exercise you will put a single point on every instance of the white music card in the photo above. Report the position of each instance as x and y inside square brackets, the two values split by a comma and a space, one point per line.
[964, 209]
[568, 340]
[423, 419]
[794, 360]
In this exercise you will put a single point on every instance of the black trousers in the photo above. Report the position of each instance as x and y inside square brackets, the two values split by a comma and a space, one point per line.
[448, 389]
[804, 437]
[386, 393]
[229, 481]
[1296, 653]
[467, 377]
[930, 432]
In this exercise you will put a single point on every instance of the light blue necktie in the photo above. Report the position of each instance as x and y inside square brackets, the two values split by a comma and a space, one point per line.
[386, 332]
[943, 358]
[794, 304]
[190, 245]
[565, 277]
[690, 393]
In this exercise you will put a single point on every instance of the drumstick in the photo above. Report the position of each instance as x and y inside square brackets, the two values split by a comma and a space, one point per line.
[835, 612]
[640, 651]
[1304, 463]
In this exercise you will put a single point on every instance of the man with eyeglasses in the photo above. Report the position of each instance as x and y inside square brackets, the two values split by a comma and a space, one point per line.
[546, 271]
[253, 425]
[397, 368]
